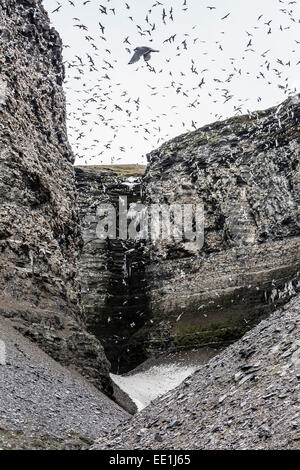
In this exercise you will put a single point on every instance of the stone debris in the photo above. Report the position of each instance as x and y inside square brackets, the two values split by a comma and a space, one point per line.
[46, 406]
[165, 296]
[235, 401]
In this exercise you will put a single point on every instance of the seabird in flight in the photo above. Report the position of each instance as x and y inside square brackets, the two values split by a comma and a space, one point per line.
[141, 51]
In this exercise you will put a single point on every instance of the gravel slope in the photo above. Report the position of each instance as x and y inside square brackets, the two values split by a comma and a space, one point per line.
[248, 397]
[44, 405]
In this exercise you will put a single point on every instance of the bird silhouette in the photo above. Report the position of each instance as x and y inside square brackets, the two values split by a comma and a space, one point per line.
[142, 52]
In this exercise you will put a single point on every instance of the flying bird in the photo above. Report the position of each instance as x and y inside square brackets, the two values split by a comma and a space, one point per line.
[57, 9]
[226, 16]
[141, 52]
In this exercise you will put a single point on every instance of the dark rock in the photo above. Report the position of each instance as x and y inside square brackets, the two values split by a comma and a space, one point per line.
[249, 262]
[114, 288]
[44, 405]
[40, 234]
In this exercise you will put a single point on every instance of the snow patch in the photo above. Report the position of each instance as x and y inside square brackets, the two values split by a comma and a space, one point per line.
[2, 353]
[143, 387]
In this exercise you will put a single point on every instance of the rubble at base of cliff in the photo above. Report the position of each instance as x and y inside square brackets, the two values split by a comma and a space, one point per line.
[247, 397]
[44, 405]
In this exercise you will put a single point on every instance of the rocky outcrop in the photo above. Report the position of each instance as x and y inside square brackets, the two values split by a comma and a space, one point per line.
[112, 271]
[245, 398]
[40, 237]
[245, 173]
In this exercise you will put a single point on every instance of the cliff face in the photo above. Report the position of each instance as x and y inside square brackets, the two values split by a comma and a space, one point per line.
[245, 172]
[113, 271]
[40, 236]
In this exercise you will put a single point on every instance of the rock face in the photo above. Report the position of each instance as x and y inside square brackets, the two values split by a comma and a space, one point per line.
[40, 237]
[245, 173]
[245, 398]
[113, 271]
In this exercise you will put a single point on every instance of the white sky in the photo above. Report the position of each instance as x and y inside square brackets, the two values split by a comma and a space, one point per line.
[153, 106]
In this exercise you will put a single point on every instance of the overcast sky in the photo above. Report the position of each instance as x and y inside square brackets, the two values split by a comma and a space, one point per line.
[213, 68]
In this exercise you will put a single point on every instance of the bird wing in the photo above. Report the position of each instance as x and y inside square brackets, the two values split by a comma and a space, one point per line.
[136, 56]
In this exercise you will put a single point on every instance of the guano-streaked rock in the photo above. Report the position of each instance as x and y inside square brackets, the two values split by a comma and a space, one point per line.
[40, 235]
[245, 172]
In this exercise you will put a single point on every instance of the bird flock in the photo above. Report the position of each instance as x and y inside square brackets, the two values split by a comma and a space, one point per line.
[143, 71]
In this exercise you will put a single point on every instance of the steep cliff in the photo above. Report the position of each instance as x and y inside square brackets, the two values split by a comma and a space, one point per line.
[40, 237]
[245, 173]
[113, 271]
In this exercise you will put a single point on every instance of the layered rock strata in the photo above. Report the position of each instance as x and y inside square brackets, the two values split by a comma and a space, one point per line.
[113, 270]
[245, 173]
